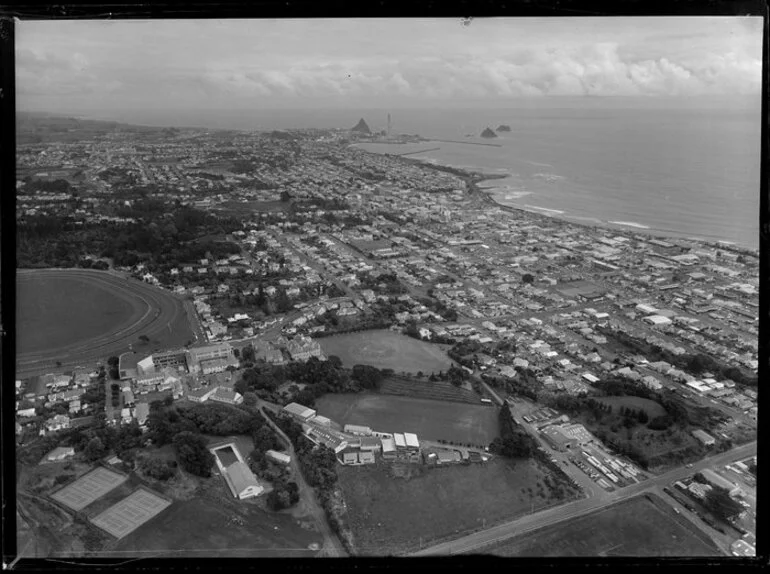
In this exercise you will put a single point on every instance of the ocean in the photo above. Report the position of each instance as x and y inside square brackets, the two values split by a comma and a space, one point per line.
[669, 166]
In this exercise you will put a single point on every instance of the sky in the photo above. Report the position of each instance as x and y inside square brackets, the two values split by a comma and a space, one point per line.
[79, 66]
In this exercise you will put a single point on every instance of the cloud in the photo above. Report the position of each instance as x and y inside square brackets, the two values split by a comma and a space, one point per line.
[381, 62]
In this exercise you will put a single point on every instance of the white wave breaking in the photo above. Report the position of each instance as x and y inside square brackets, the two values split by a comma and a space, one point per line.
[630, 224]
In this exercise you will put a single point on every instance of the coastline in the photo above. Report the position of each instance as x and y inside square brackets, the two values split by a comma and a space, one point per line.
[626, 228]
[474, 178]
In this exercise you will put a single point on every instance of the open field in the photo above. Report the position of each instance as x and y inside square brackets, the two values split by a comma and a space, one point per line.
[391, 515]
[211, 528]
[386, 349]
[434, 420]
[77, 316]
[425, 389]
[131, 512]
[652, 408]
[642, 526]
[88, 488]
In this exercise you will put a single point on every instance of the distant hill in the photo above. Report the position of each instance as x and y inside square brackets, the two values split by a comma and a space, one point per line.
[503, 128]
[361, 127]
[41, 127]
[488, 133]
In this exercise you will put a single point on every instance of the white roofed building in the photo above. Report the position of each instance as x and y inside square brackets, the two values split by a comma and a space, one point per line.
[704, 437]
[299, 411]
[242, 481]
[657, 320]
[411, 441]
[59, 454]
[357, 430]
[281, 457]
[226, 395]
[145, 366]
[388, 447]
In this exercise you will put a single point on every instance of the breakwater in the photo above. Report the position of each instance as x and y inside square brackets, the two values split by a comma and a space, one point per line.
[468, 143]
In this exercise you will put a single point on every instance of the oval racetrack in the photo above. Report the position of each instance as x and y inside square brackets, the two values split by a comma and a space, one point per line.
[127, 309]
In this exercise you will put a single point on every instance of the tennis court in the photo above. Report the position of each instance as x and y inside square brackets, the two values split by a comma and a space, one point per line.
[88, 488]
[131, 512]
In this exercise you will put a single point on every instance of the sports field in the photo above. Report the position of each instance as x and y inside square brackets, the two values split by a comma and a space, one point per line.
[642, 526]
[385, 349]
[88, 488]
[131, 512]
[74, 316]
[429, 419]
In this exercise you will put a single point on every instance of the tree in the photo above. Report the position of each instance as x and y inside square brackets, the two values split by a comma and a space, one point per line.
[528, 278]
[192, 453]
[721, 504]
[114, 363]
[94, 449]
[157, 468]
[264, 439]
[247, 354]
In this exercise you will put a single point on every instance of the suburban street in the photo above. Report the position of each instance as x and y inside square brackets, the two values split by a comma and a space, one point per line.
[478, 540]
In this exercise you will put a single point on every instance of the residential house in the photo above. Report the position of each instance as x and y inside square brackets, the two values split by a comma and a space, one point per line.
[57, 422]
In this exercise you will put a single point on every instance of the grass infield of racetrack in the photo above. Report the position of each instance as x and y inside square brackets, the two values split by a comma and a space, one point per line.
[56, 310]
[77, 316]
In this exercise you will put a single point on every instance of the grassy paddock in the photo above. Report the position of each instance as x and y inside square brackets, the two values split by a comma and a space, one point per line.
[390, 515]
[206, 528]
[642, 526]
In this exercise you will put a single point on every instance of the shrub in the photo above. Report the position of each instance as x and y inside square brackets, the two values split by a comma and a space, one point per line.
[192, 453]
[157, 468]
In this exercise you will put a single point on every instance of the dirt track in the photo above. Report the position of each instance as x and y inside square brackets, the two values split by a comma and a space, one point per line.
[157, 314]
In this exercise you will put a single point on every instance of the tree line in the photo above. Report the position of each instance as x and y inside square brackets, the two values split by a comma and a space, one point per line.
[695, 363]
[320, 377]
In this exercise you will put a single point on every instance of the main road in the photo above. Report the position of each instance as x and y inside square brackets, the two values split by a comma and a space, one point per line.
[478, 540]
